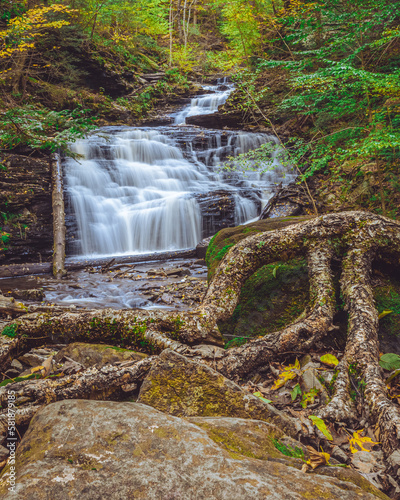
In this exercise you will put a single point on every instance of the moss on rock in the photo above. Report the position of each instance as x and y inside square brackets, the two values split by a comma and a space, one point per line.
[93, 354]
[185, 388]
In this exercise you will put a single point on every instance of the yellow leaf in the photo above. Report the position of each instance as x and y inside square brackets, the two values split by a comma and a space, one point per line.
[329, 359]
[289, 373]
[384, 313]
[37, 369]
[358, 440]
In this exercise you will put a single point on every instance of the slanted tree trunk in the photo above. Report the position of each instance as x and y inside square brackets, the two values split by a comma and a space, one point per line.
[356, 237]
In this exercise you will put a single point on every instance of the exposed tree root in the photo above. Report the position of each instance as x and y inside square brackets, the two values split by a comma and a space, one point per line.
[358, 236]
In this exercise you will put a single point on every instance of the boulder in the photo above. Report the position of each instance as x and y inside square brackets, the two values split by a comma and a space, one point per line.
[185, 388]
[118, 450]
[97, 354]
[31, 294]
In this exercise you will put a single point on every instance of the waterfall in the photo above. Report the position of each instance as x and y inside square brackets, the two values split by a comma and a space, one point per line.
[206, 104]
[143, 190]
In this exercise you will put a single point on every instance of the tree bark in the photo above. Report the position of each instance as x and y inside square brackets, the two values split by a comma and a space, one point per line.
[58, 217]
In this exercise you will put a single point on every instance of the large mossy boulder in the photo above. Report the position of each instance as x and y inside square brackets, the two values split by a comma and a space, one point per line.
[93, 450]
[185, 388]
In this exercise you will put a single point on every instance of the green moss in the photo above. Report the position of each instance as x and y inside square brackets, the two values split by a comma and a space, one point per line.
[225, 239]
[271, 299]
[10, 330]
[387, 298]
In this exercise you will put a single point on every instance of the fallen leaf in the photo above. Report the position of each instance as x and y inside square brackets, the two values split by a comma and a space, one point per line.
[260, 396]
[289, 373]
[309, 397]
[390, 361]
[296, 392]
[320, 424]
[358, 440]
[384, 313]
[329, 359]
[317, 459]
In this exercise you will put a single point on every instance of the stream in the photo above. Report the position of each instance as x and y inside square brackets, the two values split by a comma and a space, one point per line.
[154, 189]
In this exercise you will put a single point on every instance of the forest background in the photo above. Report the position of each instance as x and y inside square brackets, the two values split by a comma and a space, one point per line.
[323, 73]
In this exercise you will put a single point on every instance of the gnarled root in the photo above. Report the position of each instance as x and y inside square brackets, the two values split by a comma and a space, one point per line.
[362, 351]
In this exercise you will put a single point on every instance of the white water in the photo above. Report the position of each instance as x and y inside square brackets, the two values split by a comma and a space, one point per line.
[135, 190]
[206, 104]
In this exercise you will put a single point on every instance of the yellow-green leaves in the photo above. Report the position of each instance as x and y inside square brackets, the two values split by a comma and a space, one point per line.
[309, 397]
[289, 373]
[296, 392]
[320, 424]
[329, 359]
[384, 313]
[359, 441]
[260, 396]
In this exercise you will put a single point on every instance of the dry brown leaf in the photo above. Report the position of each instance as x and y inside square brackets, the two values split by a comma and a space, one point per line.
[317, 459]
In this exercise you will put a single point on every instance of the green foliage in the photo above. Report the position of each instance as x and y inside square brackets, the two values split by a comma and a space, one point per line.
[390, 361]
[288, 450]
[10, 330]
[41, 128]
[4, 239]
[20, 379]
[236, 342]
[295, 392]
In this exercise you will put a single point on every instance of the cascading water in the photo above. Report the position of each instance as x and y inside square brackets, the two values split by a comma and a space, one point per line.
[206, 104]
[137, 190]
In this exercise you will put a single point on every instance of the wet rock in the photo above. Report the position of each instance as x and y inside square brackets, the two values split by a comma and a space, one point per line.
[98, 449]
[156, 272]
[25, 189]
[216, 120]
[33, 294]
[201, 249]
[97, 354]
[185, 388]
[166, 298]
[177, 271]
[217, 211]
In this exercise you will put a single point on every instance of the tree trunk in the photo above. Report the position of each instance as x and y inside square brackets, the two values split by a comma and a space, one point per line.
[58, 218]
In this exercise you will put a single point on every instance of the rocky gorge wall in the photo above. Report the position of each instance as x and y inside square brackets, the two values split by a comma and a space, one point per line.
[25, 209]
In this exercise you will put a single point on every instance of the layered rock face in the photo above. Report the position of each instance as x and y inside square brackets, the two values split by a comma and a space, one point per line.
[25, 206]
